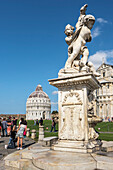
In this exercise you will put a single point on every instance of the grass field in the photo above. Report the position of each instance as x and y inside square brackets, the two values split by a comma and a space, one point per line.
[104, 127]
[106, 136]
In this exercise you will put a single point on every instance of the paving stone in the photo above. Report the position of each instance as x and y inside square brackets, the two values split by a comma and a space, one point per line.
[29, 154]
[56, 160]
[103, 162]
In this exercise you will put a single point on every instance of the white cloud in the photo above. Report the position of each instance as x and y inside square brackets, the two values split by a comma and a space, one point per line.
[99, 56]
[96, 32]
[54, 103]
[55, 92]
[102, 21]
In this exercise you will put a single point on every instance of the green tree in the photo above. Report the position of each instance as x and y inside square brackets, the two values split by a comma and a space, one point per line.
[54, 112]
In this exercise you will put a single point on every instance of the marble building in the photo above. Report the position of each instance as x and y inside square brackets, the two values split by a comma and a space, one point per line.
[38, 105]
[104, 95]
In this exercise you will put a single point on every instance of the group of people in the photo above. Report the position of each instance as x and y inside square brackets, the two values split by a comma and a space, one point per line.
[16, 133]
[36, 122]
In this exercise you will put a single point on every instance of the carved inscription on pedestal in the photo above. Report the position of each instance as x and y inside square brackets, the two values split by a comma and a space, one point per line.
[72, 119]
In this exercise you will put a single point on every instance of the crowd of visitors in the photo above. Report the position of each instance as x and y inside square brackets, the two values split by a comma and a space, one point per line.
[9, 127]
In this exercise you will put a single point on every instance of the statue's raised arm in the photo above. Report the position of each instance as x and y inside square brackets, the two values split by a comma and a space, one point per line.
[80, 22]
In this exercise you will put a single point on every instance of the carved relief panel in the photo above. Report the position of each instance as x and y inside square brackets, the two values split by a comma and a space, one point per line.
[72, 118]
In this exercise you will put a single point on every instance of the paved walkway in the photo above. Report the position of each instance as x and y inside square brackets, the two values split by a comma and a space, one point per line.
[3, 152]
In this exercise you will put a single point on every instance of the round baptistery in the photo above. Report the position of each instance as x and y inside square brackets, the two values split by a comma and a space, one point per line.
[38, 105]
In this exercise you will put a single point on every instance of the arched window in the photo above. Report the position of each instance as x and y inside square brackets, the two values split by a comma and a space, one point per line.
[103, 74]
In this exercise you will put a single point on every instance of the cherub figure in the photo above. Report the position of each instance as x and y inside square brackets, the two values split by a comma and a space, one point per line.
[77, 40]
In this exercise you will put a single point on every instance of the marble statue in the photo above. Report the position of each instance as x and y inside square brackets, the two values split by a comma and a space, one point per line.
[76, 83]
[77, 51]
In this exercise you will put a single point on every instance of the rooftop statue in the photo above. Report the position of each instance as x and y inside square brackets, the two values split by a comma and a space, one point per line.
[77, 51]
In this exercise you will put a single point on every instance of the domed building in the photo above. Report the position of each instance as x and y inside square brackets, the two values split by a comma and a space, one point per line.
[38, 105]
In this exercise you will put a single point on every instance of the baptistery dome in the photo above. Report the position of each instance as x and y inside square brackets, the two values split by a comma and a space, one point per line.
[39, 93]
[38, 105]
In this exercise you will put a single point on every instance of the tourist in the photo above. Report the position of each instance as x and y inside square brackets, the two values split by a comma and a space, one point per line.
[41, 122]
[20, 120]
[9, 125]
[25, 123]
[20, 132]
[34, 122]
[11, 143]
[0, 127]
[14, 121]
[4, 126]
[37, 122]
[53, 125]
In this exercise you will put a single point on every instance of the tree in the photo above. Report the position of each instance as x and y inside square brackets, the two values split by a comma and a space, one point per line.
[54, 112]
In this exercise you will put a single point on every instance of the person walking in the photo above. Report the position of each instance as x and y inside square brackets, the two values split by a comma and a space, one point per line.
[4, 126]
[53, 125]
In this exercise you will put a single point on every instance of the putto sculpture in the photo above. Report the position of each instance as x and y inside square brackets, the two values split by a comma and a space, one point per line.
[77, 51]
[76, 84]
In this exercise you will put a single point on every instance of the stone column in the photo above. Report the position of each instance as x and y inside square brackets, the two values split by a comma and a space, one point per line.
[33, 134]
[28, 132]
[41, 133]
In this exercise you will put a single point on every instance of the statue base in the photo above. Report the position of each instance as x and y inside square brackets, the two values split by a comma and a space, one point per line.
[77, 146]
[76, 132]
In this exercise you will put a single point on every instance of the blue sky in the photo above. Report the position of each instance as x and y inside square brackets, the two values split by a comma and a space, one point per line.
[33, 48]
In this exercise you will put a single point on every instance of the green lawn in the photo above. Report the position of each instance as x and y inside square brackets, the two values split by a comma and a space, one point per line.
[104, 127]
[47, 125]
[106, 137]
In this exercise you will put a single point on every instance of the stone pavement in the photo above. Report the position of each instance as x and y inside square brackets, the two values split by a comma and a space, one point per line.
[37, 157]
[4, 152]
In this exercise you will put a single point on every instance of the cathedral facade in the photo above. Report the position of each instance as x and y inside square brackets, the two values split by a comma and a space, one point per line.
[104, 95]
[38, 105]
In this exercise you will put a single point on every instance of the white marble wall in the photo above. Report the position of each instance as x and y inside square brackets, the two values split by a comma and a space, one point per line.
[105, 93]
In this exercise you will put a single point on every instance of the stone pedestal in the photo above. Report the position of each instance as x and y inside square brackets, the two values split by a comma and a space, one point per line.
[73, 94]
[33, 134]
[28, 132]
[41, 133]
